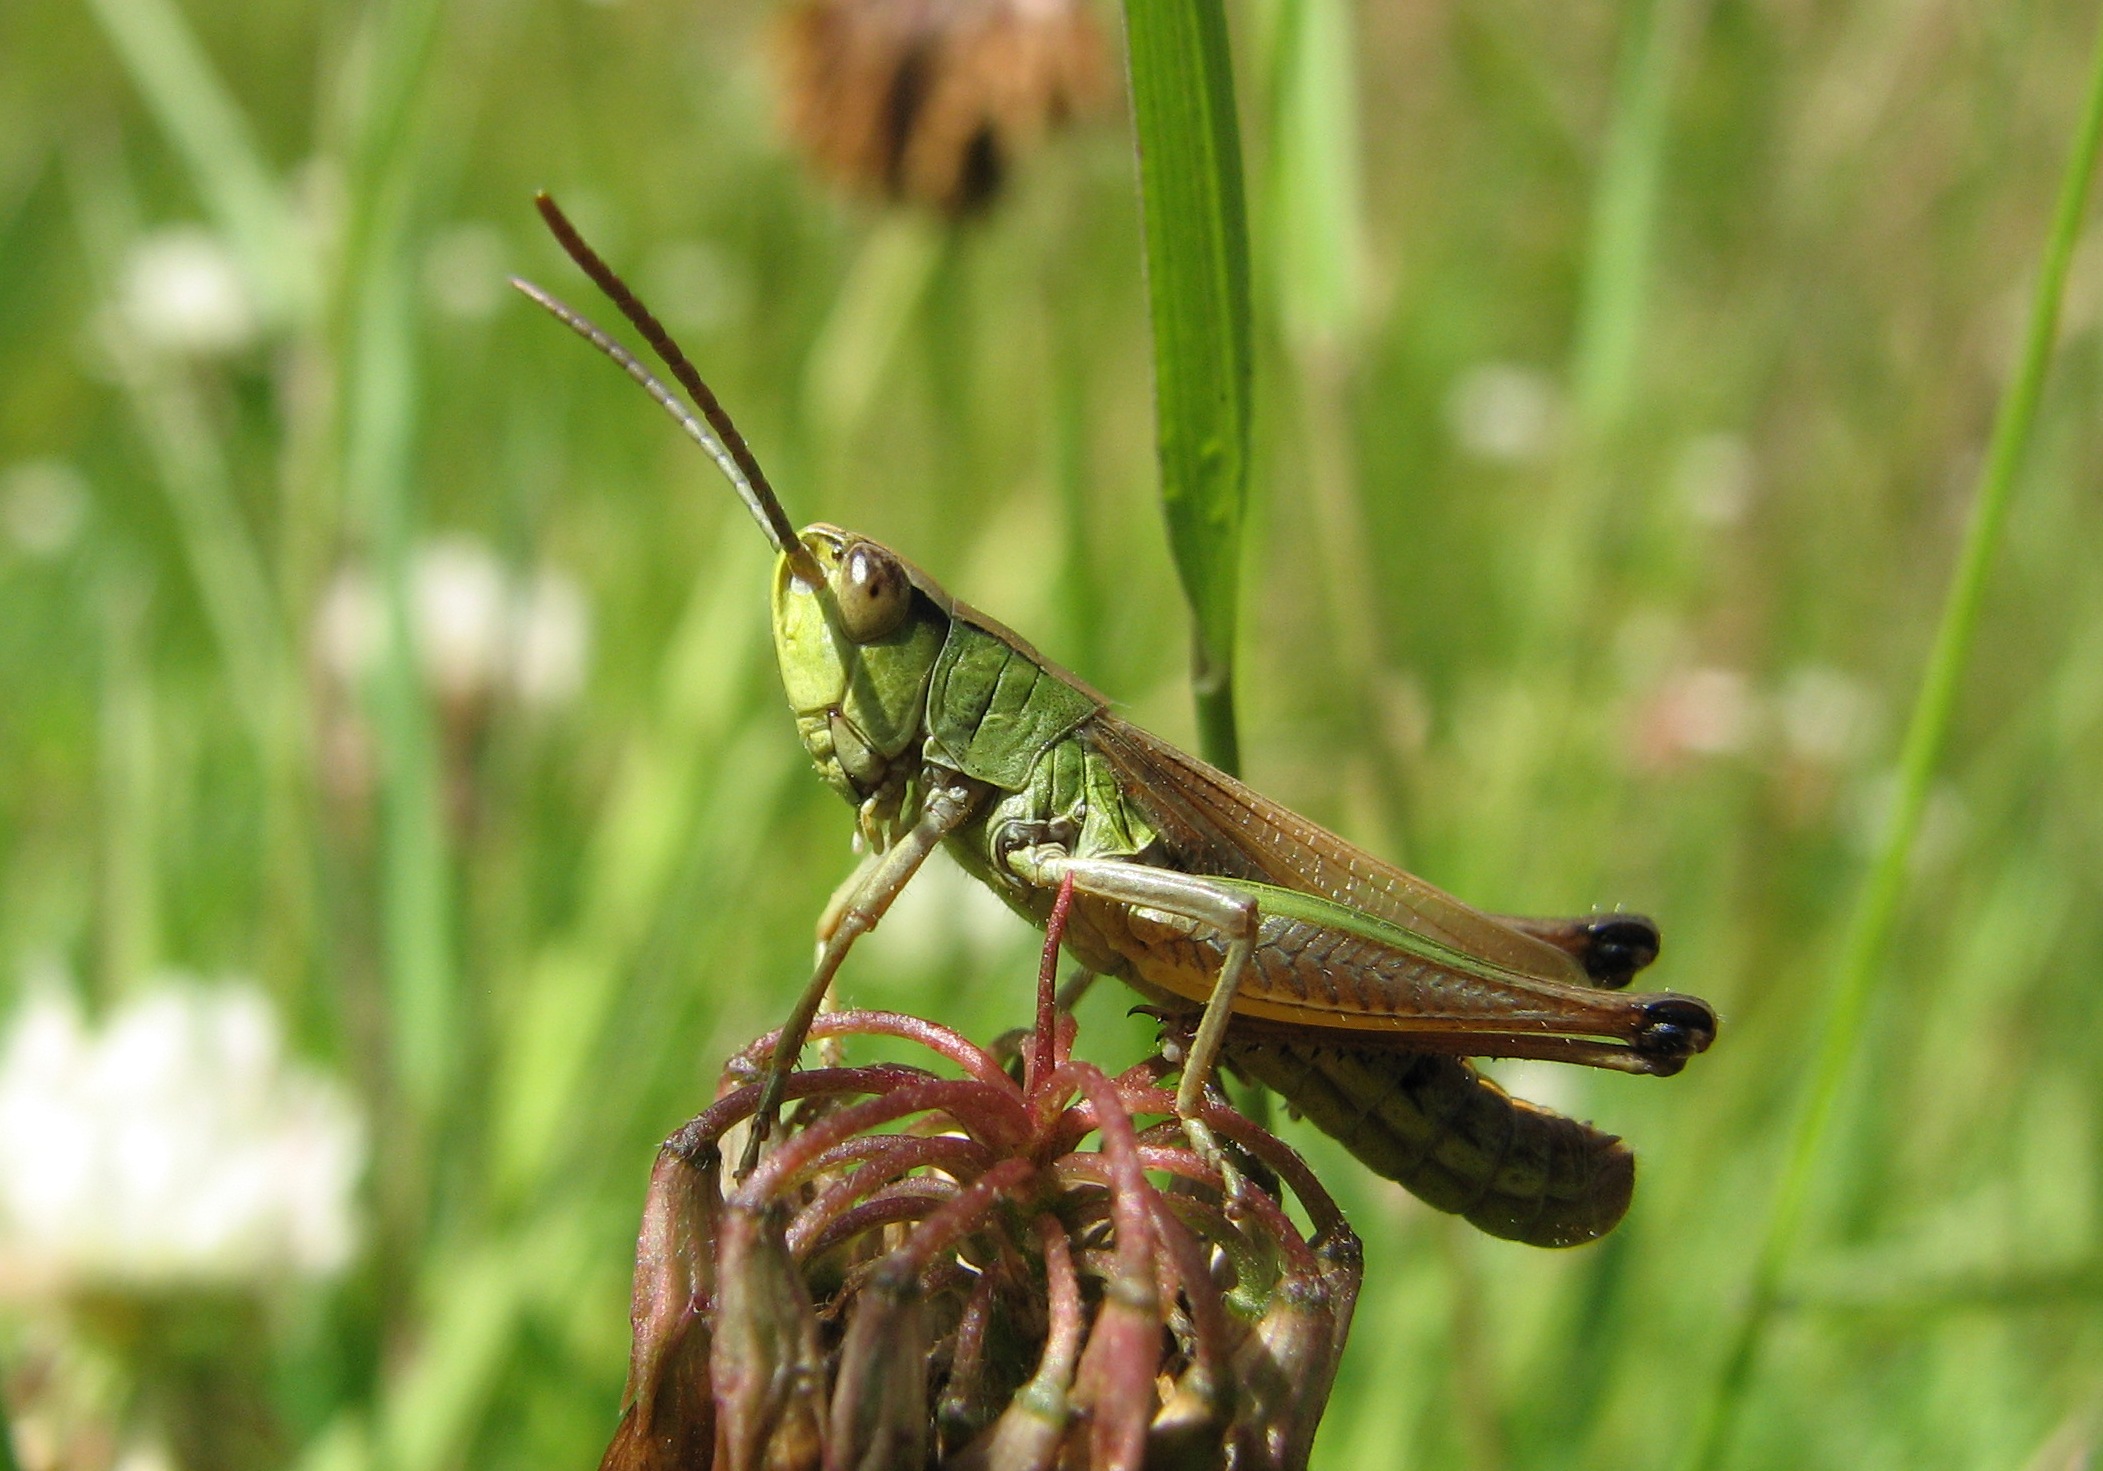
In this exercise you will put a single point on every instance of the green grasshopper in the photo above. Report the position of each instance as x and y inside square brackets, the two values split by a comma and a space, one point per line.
[1353, 989]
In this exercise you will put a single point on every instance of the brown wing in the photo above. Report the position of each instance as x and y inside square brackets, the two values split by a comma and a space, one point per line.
[1211, 823]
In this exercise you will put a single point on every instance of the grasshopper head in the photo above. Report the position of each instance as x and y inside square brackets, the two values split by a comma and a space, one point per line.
[856, 650]
[856, 627]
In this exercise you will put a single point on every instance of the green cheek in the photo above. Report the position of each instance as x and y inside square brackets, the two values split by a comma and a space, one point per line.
[880, 688]
[887, 684]
[813, 675]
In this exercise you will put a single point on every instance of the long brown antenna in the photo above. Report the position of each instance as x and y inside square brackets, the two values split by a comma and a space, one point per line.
[725, 444]
[671, 402]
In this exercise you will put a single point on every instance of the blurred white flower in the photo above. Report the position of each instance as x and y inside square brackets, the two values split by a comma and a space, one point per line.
[480, 629]
[183, 292]
[177, 1145]
[1827, 715]
[1504, 412]
[348, 626]
[43, 504]
[459, 604]
[1704, 711]
[464, 271]
[550, 640]
[145, 1455]
[1713, 479]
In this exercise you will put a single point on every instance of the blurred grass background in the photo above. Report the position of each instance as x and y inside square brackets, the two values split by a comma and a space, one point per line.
[1623, 376]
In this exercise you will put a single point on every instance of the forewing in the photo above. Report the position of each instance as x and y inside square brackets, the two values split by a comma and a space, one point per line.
[1213, 824]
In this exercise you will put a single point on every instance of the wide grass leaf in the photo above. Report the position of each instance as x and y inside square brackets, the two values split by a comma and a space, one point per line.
[1197, 256]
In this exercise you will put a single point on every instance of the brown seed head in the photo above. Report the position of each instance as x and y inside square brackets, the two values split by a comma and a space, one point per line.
[931, 101]
[978, 1272]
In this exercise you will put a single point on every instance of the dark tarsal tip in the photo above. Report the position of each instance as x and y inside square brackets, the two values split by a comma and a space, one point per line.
[1675, 1027]
[1617, 946]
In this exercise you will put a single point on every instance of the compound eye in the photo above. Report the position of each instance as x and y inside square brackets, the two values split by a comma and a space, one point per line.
[872, 592]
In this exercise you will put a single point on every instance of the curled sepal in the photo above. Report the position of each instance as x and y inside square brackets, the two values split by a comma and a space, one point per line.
[668, 1415]
[879, 1400]
[1032, 1430]
[1115, 1382]
[1340, 1259]
[767, 1361]
[1286, 1366]
[1189, 1431]
[977, 1389]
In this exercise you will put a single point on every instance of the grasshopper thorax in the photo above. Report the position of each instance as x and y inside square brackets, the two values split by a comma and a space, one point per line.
[857, 649]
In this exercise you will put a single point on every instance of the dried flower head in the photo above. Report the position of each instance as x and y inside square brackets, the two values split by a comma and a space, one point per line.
[978, 1272]
[932, 100]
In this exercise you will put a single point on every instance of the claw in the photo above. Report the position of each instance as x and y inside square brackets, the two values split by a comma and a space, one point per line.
[1234, 1185]
[760, 1125]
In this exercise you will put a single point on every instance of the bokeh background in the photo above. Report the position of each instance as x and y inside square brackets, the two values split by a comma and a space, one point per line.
[398, 820]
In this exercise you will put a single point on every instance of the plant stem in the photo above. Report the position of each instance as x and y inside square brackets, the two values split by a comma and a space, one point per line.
[1617, 277]
[1927, 734]
[206, 127]
[380, 411]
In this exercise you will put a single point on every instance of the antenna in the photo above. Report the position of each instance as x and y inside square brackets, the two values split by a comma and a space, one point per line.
[719, 435]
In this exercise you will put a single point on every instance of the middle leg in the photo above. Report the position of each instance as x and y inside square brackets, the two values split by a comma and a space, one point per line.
[1187, 896]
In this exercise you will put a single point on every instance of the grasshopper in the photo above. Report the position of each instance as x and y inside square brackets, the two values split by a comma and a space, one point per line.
[1355, 990]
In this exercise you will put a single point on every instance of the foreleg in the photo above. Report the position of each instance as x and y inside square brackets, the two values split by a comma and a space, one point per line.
[873, 887]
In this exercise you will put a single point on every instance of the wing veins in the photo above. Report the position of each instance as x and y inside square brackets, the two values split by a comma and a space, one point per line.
[1223, 827]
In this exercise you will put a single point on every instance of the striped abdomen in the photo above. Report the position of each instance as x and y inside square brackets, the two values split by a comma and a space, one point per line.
[1454, 1139]
[1428, 1121]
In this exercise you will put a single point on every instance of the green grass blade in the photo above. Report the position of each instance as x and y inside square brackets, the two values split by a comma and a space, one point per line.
[431, 1406]
[1312, 218]
[1927, 734]
[131, 905]
[1315, 210]
[670, 771]
[7, 1443]
[416, 866]
[1625, 215]
[856, 346]
[1608, 343]
[381, 405]
[209, 131]
[221, 551]
[1927, 1296]
[1197, 257]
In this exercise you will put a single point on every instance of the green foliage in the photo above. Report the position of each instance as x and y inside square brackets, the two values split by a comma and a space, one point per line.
[1875, 916]
[1607, 486]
